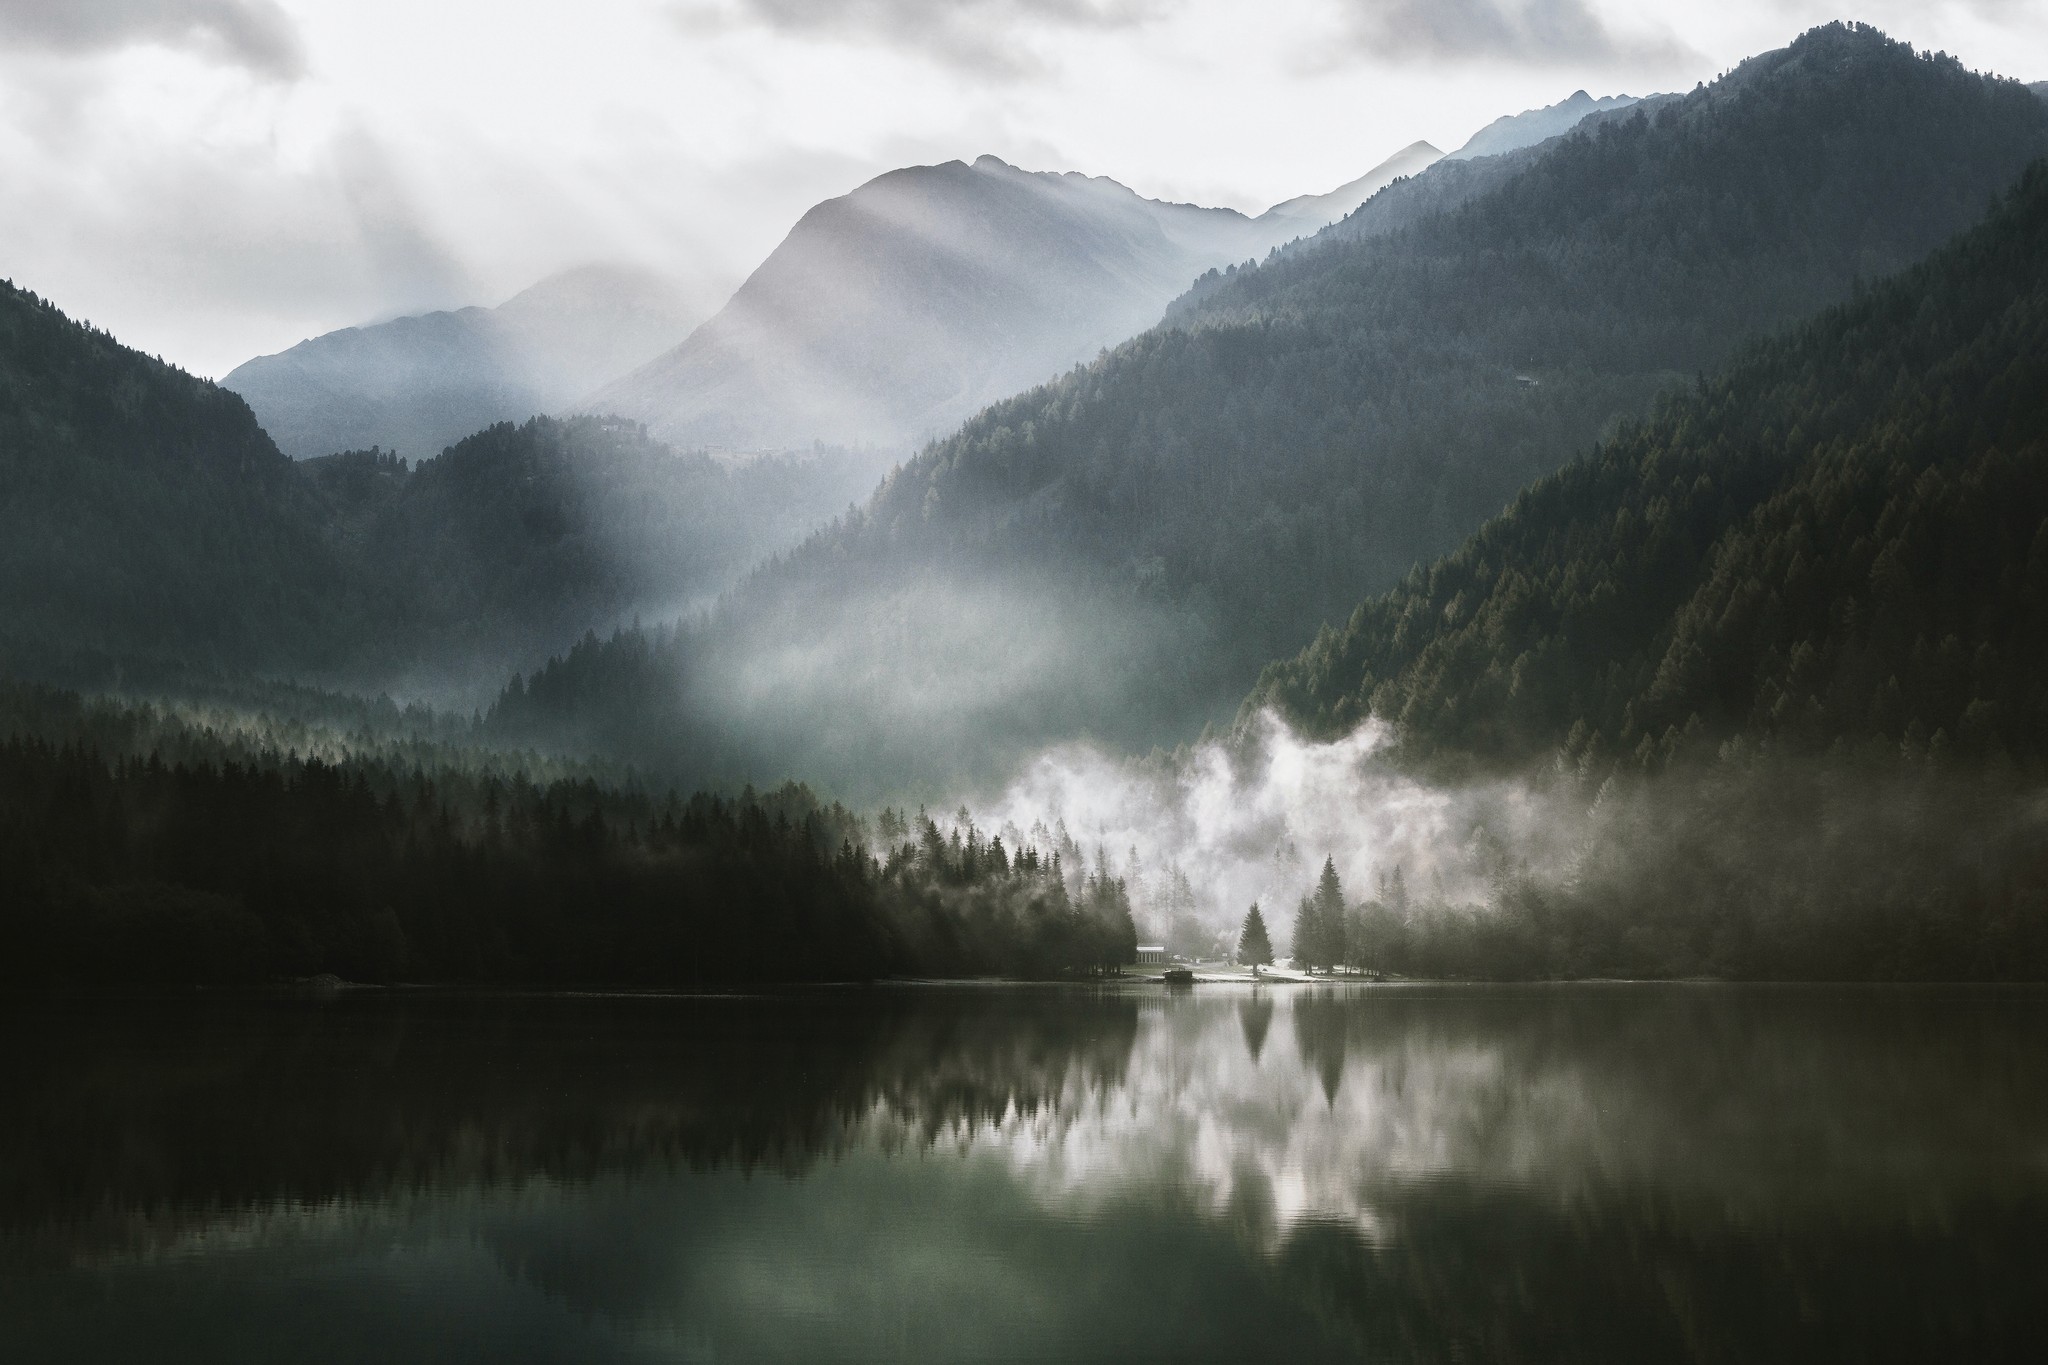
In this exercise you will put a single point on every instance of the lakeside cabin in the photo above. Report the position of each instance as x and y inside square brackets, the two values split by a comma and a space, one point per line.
[1152, 955]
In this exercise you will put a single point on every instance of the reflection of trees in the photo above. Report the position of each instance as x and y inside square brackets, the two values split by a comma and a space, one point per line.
[1255, 1017]
[1322, 1028]
[127, 1109]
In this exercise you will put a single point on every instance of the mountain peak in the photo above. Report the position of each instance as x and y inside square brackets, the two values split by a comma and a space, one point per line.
[1512, 132]
[1312, 212]
[892, 313]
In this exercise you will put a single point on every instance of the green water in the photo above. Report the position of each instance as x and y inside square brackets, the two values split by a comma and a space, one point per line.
[936, 1174]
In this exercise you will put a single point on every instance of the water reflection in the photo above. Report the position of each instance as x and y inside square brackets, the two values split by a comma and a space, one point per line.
[1586, 1173]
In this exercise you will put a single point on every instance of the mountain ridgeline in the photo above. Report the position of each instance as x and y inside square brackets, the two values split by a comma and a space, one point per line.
[416, 385]
[891, 314]
[1842, 540]
[145, 513]
[1119, 552]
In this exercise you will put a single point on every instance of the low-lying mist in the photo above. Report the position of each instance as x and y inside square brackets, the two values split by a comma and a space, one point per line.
[1253, 819]
[1737, 861]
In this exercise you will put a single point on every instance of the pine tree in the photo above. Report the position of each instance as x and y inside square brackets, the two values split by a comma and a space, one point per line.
[1326, 918]
[1254, 947]
[1304, 944]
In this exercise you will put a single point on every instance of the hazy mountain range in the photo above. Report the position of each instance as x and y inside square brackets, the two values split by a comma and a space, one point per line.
[890, 315]
[1118, 552]
[886, 317]
[418, 384]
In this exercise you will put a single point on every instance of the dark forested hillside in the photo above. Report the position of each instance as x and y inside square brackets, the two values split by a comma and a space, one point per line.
[148, 526]
[143, 512]
[1135, 540]
[519, 539]
[1842, 539]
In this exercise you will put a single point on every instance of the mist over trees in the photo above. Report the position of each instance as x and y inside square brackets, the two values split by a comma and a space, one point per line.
[1770, 662]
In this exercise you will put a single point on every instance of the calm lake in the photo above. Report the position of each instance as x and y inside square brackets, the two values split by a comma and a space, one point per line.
[1624, 1173]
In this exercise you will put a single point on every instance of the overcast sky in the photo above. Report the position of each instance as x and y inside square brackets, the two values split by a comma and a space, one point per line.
[216, 179]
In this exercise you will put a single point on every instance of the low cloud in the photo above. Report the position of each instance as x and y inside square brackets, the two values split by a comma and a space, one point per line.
[1528, 32]
[254, 34]
[992, 37]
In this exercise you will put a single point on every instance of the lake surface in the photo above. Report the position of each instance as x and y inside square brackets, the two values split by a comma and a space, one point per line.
[1624, 1173]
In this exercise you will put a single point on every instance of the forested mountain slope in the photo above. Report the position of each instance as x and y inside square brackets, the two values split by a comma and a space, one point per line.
[1843, 539]
[1119, 552]
[521, 538]
[148, 524]
[143, 511]
[418, 384]
[1319, 424]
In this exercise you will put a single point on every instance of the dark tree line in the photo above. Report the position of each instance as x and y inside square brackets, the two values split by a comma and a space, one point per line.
[222, 865]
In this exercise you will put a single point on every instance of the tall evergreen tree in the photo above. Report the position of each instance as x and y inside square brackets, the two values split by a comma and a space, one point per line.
[1304, 943]
[1254, 946]
[1327, 917]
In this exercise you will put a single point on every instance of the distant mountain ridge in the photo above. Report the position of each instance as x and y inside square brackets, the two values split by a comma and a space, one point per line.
[419, 384]
[892, 313]
[1314, 212]
[1512, 132]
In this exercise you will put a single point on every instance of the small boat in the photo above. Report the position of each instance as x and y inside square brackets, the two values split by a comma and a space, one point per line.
[1179, 976]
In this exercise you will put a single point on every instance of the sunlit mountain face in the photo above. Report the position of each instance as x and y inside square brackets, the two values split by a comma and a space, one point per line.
[937, 1171]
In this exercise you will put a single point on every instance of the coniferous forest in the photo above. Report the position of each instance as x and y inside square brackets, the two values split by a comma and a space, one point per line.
[141, 848]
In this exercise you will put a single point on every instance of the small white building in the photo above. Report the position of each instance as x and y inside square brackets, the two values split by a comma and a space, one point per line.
[1152, 955]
